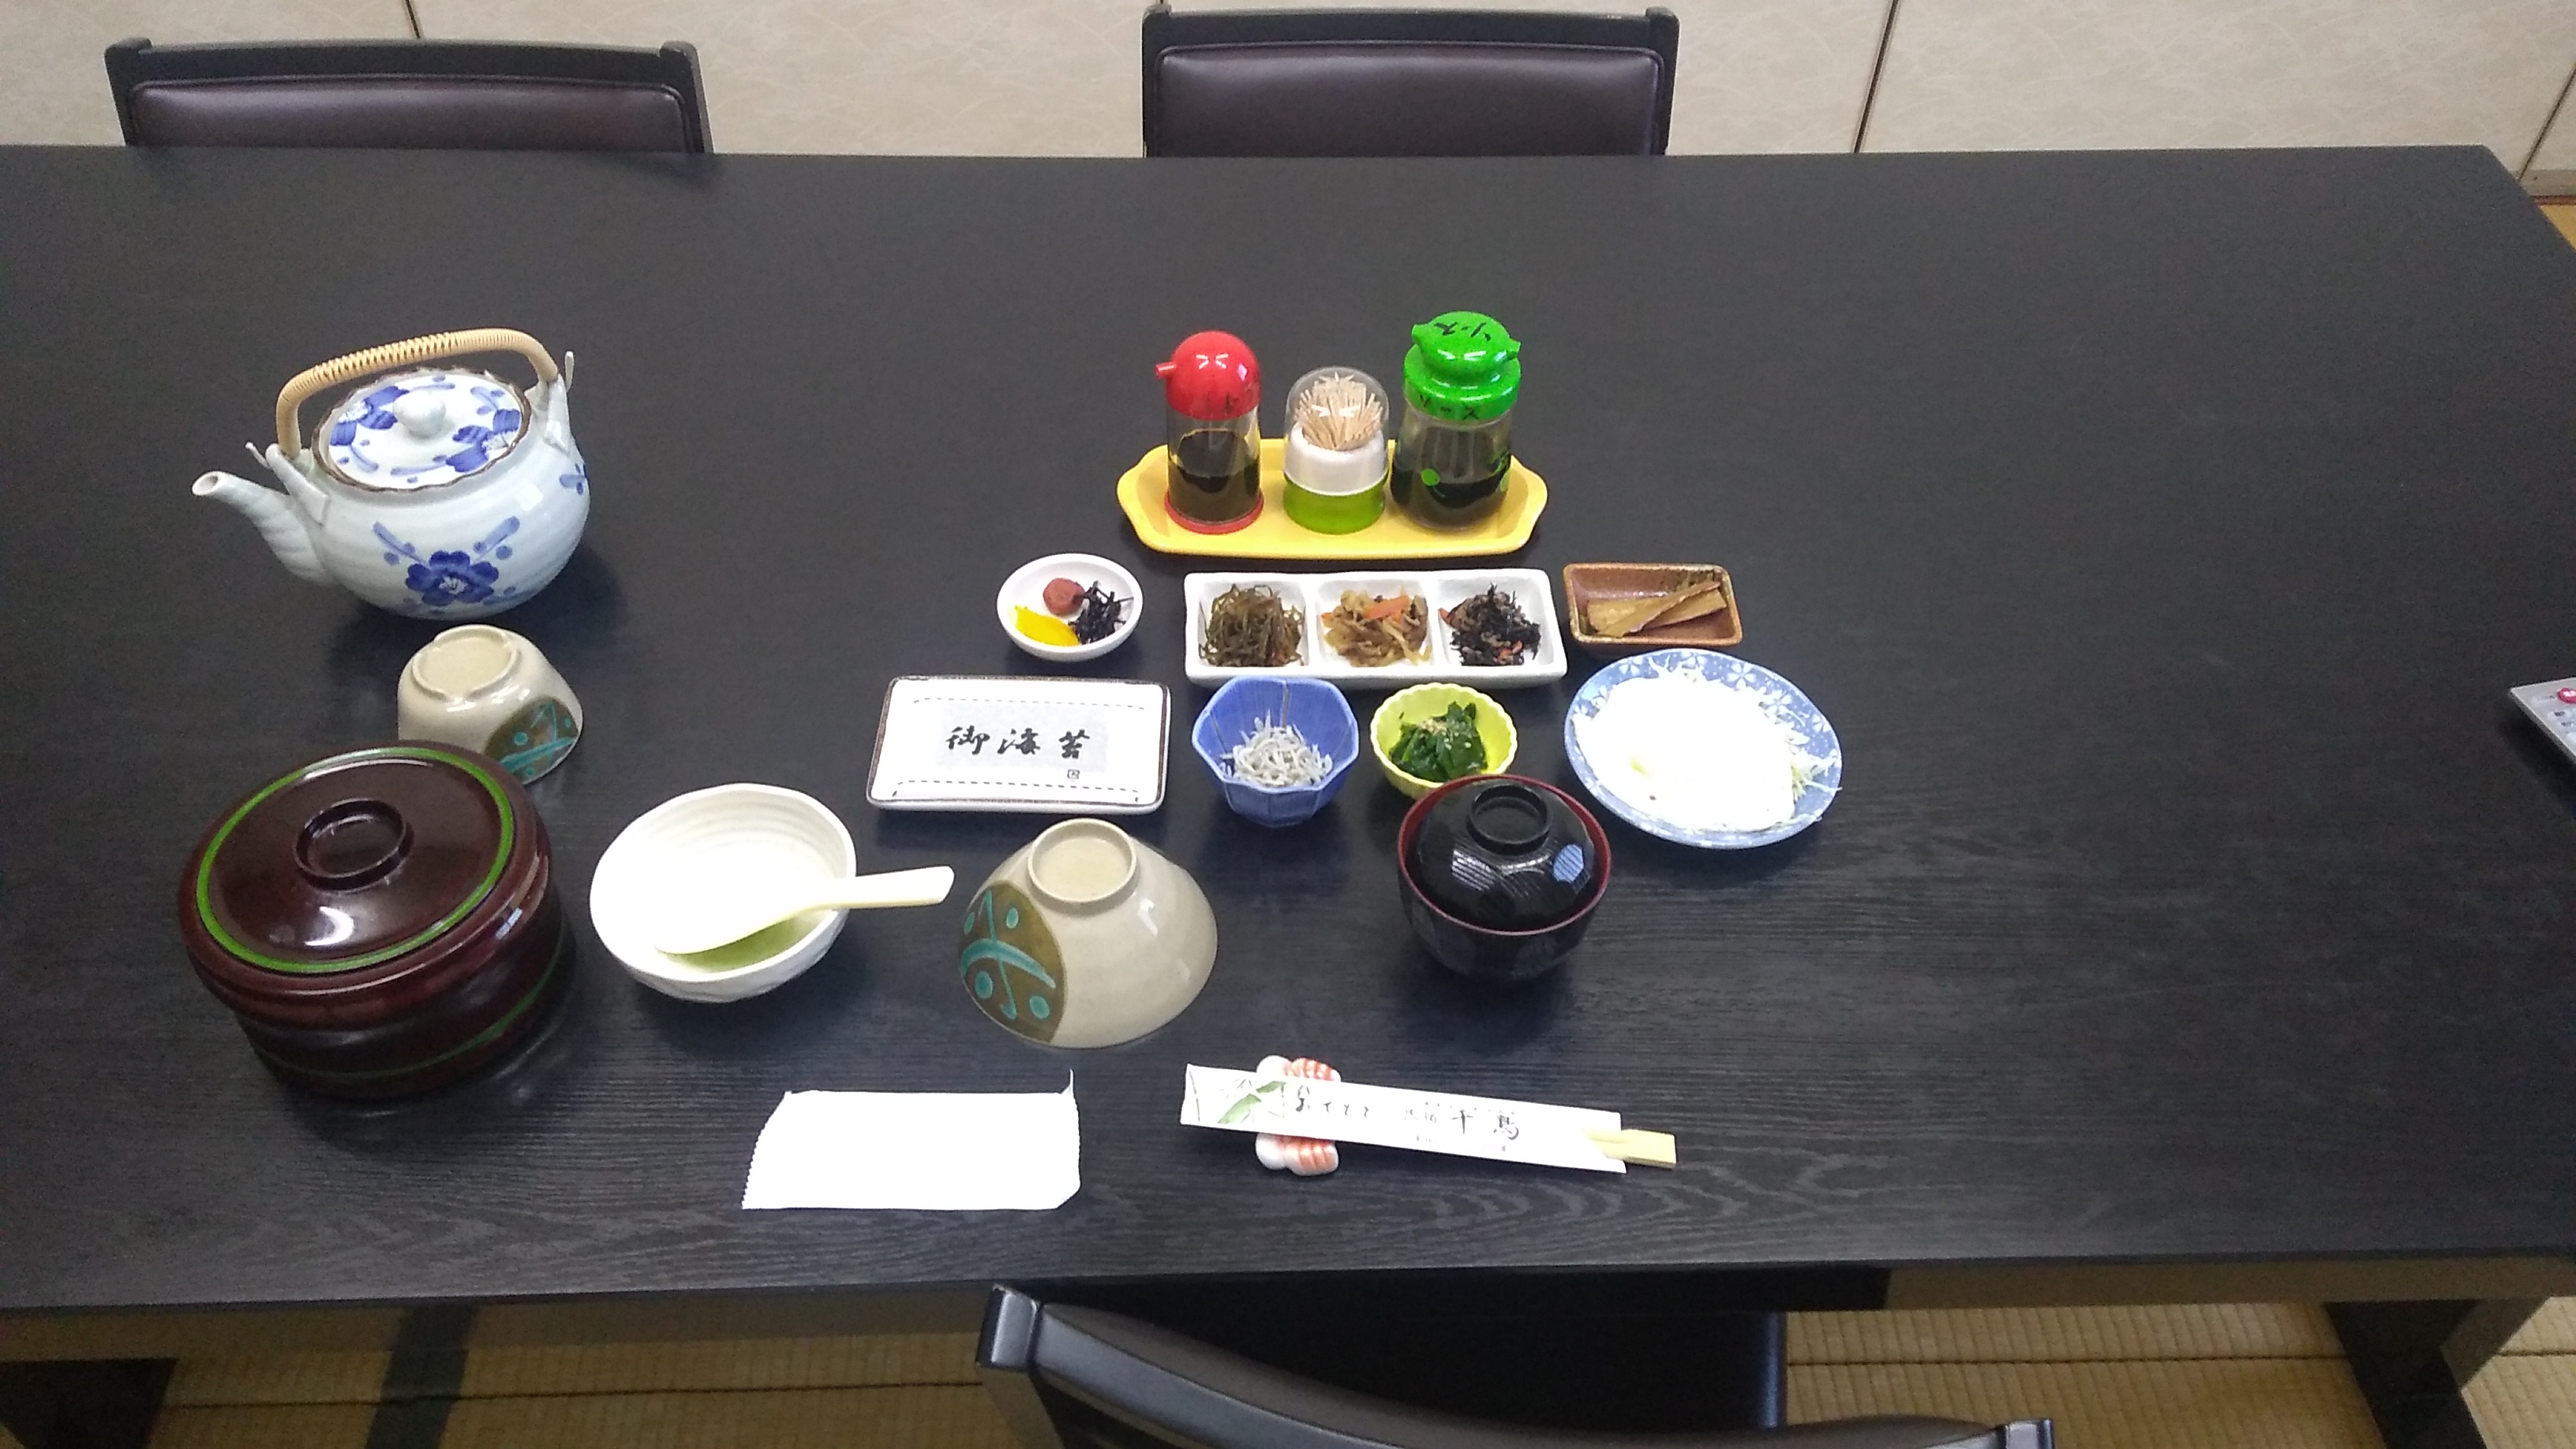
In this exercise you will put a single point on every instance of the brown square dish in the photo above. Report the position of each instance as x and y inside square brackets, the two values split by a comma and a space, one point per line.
[1587, 584]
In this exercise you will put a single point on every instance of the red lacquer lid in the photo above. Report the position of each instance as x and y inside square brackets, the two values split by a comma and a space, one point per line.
[356, 860]
[1211, 376]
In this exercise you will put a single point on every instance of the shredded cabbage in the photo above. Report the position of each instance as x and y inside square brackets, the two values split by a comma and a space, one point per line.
[1695, 752]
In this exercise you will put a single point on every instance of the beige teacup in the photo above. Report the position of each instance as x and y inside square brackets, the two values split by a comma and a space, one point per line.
[488, 689]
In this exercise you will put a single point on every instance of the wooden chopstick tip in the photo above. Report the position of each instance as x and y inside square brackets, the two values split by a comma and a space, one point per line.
[1649, 1149]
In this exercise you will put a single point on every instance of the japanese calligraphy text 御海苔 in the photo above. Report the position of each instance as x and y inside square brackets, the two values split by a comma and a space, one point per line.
[1024, 739]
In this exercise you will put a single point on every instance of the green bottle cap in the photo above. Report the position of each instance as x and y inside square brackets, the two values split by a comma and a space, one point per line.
[1463, 367]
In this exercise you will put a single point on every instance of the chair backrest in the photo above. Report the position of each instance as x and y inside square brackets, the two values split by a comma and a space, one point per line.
[1078, 1377]
[1407, 83]
[410, 94]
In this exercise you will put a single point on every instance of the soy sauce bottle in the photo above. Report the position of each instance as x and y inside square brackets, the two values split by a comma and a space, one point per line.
[1212, 433]
[1453, 451]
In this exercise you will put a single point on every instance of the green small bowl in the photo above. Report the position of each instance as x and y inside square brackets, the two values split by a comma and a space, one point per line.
[1335, 512]
[1426, 701]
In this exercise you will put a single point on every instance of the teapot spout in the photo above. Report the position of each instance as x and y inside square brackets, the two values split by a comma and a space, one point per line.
[279, 522]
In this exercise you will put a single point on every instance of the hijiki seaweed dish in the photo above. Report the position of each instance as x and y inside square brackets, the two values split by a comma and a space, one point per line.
[1491, 628]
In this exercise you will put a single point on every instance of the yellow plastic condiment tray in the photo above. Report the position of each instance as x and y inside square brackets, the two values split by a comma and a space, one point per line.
[1275, 535]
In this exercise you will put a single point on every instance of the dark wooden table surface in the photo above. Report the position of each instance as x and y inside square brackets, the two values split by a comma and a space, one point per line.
[2160, 531]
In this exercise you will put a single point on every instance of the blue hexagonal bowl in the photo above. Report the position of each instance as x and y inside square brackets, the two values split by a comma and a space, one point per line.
[1310, 707]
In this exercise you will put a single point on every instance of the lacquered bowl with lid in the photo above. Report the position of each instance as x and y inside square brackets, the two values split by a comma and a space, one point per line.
[1500, 874]
[381, 921]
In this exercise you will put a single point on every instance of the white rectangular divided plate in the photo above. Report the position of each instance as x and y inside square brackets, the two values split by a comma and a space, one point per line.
[1024, 743]
[1315, 595]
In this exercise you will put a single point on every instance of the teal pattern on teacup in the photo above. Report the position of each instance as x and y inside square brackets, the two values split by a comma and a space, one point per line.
[535, 739]
[1010, 964]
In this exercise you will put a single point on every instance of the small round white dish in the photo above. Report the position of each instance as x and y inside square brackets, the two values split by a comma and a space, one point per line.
[1810, 737]
[694, 842]
[1026, 589]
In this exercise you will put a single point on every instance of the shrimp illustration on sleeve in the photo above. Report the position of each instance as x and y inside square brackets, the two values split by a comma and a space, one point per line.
[1304, 1156]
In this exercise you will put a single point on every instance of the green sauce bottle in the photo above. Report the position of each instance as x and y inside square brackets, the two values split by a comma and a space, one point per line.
[1454, 449]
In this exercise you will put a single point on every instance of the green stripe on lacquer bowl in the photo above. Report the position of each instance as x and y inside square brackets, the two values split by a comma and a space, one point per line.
[482, 1038]
[444, 924]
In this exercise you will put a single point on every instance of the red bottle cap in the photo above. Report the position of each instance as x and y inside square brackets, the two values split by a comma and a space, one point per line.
[1211, 376]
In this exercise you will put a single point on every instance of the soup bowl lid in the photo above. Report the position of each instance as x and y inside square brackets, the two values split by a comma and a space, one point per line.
[1504, 853]
[358, 860]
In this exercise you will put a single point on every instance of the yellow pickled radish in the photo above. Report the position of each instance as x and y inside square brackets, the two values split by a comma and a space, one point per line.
[1044, 628]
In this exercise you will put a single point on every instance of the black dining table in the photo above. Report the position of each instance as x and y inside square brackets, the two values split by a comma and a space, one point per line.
[2160, 531]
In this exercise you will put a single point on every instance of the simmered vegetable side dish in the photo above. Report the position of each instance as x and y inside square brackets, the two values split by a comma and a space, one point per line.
[1377, 631]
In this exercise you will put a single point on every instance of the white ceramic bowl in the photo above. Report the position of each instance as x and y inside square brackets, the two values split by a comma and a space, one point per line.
[690, 840]
[1026, 588]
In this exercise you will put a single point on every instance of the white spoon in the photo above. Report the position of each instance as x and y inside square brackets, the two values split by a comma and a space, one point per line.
[702, 923]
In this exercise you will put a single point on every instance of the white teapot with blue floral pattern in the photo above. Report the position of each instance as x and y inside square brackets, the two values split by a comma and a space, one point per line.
[438, 492]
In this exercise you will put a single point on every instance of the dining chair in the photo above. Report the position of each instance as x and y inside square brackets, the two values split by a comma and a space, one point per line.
[410, 95]
[1407, 83]
[1066, 1377]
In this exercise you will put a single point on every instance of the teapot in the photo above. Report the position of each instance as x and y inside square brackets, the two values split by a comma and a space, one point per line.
[436, 492]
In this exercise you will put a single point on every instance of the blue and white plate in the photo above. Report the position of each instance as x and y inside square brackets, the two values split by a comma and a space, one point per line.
[1809, 732]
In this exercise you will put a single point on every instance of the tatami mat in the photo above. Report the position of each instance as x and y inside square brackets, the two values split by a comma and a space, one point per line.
[888, 1360]
[264, 1426]
[276, 1378]
[2202, 1403]
[2526, 1397]
[2564, 214]
[947, 1416]
[2228, 1376]
[2056, 1335]
[2526, 1401]
[2551, 1330]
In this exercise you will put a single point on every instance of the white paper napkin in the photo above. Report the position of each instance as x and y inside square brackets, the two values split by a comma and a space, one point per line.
[942, 1151]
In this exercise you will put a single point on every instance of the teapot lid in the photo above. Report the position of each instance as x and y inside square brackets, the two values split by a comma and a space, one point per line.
[422, 429]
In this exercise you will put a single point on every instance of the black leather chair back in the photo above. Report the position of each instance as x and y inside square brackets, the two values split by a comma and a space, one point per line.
[1078, 1378]
[410, 94]
[1407, 83]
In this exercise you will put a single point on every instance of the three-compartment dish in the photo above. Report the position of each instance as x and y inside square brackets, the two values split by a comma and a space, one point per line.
[1490, 628]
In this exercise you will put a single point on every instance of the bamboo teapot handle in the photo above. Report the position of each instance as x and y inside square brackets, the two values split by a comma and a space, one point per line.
[300, 388]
